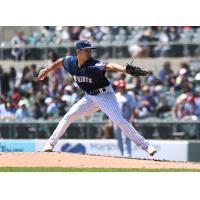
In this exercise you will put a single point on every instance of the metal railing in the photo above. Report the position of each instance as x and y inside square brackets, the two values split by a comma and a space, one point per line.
[105, 49]
[150, 128]
[44, 128]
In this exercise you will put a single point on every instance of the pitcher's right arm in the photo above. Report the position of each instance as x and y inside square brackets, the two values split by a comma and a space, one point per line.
[44, 72]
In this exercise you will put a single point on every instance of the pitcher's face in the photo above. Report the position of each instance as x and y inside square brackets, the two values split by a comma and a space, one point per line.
[84, 54]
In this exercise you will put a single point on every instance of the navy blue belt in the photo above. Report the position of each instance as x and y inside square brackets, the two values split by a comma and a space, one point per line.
[95, 92]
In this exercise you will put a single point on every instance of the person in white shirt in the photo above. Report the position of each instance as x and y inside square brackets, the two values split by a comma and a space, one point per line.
[52, 109]
[69, 95]
[22, 112]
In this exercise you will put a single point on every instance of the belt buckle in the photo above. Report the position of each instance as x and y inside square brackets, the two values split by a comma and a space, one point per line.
[95, 92]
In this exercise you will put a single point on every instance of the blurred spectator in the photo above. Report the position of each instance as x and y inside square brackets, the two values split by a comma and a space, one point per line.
[16, 96]
[52, 110]
[183, 79]
[178, 109]
[142, 49]
[37, 111]
[162, 49]
[2, 103]
[62, 35]
[137, 84]
[186, 108]
[5, 87]
[18, 41]
[26, 80]
[164, 102]
[102, 31]
[61, 105]
[33, 74]
[172, 33]
[12, 78]
[165, 72]
[197, 102]
[186, 66]
[7, 112]
[189, 106]
[147, 103]
[33, 38]
[33, 71]
[1, 77]
[69, 96]
[86, 34]
[74, 32]
[26, 75]
[53, 87]
[151, 78]
[99, 32]
[22, 112]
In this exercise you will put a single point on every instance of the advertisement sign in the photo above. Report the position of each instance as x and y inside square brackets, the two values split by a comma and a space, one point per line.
[167, 149]
[17, 145]
[98, 147]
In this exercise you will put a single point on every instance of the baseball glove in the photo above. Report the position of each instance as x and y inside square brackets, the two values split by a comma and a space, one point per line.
[135, 71]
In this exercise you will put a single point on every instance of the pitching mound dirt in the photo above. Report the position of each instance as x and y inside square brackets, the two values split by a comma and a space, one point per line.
[56, 159]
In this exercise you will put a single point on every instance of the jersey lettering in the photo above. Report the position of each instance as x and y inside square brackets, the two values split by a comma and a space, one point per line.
[82, 79]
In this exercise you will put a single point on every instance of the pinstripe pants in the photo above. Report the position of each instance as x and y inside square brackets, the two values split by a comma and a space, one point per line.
[107, 103]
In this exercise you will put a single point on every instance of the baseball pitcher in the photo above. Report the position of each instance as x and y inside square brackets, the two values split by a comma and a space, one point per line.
[89, 74]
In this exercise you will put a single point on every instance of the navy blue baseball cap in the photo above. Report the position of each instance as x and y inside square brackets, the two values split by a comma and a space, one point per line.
[84, 44]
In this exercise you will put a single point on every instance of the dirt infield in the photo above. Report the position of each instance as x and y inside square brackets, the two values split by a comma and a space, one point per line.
[70, 160]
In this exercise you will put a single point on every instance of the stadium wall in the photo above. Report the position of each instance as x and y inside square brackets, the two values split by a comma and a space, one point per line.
[167, 149]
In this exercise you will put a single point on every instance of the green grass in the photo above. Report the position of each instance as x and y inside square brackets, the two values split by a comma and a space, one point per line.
[60, 169]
